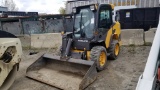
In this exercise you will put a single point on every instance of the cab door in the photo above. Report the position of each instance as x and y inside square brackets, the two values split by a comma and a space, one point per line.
[105, 23]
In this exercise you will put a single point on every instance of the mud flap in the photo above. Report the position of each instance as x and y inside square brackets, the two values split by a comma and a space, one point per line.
[73, 74]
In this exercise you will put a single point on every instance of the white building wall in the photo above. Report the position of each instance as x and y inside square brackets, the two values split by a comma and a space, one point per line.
[3, 8]
[138, 3]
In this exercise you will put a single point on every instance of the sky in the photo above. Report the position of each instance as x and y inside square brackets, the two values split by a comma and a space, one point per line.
[41, 6]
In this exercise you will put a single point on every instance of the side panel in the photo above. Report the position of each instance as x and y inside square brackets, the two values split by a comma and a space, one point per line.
[113, 33]
[117, 28]
[117, 33]
[108, 38]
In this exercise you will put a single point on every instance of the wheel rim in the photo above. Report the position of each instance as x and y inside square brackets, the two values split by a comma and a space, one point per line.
[102, 58]
[116, 49]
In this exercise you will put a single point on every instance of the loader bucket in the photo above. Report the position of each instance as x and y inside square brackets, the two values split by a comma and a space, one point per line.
[73, 74]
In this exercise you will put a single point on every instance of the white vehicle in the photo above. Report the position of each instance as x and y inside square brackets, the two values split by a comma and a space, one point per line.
[10, 57]
[117, 8]
[150, 79]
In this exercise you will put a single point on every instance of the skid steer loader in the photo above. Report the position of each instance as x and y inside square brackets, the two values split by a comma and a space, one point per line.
[84, 51]
[10, 57]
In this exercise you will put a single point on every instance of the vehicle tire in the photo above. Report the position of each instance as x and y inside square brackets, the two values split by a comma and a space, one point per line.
[99, 55]
[114, 50]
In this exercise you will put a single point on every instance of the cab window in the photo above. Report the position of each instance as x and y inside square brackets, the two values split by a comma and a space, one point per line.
[105, 18]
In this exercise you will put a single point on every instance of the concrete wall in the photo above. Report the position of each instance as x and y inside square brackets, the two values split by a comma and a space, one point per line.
[54, 40]
[138, 36]
[132, 37]
[149, 35]
[25, 40]
[50, 40]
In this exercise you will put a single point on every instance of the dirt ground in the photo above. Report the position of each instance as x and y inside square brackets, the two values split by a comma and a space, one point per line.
[120, 74]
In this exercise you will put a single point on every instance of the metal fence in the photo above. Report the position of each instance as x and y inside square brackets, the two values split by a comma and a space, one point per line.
[36, 25]
[12, 27]
[138, 3]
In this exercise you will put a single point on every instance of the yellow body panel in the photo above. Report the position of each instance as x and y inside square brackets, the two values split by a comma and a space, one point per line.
[88, 55]
[107, 41]
[112, 6]
[117, 28]
[116, 35]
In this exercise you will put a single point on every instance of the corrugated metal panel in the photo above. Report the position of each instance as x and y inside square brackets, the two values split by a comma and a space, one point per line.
[37, 25]
[17, 13]
[54, 26]
[12, 27]
[32, 27]
[3, 8]
[139, 3]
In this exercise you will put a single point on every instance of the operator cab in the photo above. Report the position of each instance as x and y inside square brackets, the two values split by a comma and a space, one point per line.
[84, 21]
[91, 19]
[92, 26]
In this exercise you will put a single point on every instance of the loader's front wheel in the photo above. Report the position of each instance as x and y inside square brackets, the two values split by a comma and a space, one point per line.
[99, 54]
[114, 50]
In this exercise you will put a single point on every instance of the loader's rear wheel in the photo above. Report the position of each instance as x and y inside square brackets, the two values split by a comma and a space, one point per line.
[99, 54]
[114, 50]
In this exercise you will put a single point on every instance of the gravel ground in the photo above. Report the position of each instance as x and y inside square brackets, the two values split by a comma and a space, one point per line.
[120, 74]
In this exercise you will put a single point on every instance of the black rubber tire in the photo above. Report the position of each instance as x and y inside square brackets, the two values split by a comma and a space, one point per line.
[95, 55]
[111, 50]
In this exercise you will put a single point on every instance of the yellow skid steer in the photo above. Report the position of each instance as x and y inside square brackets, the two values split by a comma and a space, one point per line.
[84, 51]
